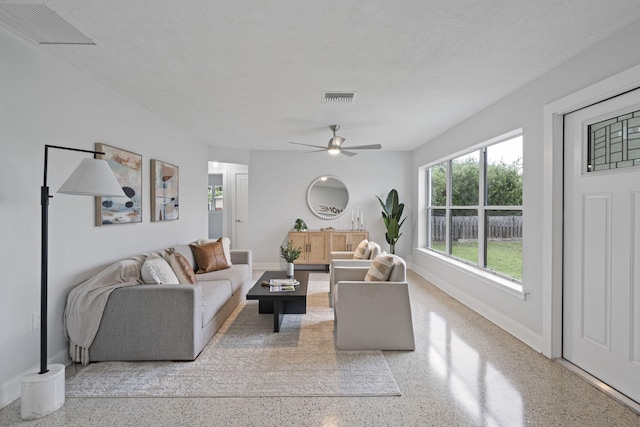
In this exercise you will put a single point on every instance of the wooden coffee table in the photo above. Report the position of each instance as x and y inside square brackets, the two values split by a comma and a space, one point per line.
[280, 303]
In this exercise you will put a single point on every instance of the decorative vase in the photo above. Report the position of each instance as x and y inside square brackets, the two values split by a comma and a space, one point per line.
[289, 270]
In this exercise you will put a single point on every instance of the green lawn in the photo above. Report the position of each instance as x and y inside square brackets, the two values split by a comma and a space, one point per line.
[503, 257]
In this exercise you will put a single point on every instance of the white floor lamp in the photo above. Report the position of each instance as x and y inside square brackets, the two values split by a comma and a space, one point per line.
[44, 392]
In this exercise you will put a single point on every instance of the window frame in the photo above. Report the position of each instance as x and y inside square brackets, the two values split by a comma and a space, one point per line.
[496, 277]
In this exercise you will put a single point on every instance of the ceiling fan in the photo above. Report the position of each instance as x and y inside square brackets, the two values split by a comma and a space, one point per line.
[335, 145]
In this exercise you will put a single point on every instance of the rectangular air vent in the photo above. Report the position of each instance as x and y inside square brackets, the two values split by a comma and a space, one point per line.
[40, 24]
[338, 97]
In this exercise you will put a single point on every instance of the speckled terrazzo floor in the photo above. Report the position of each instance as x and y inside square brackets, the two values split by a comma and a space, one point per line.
[465, 372]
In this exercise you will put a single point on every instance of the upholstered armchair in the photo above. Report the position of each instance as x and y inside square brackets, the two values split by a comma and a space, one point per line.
[346, 259]
[372, 315]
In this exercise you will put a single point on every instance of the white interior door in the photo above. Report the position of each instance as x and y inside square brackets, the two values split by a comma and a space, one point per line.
[601, 285]
[241, 222]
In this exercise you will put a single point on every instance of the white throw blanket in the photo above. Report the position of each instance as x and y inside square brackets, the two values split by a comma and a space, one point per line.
[86, 303]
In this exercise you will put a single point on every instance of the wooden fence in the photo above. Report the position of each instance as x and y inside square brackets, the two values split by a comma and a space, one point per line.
[466, 228]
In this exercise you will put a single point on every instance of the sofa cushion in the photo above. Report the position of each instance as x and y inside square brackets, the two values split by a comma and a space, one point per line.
[238, 274]
[186, 268]
[209, 257]
[363, 251]
[380, 269]
[156, 270]
[215, 295]
[187, 253]
[181, 267]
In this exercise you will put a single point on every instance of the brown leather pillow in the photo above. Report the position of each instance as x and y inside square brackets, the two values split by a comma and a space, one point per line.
[209, 257]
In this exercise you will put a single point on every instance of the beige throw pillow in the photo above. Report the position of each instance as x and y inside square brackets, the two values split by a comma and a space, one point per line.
[186, 268]
[380, 269]
[181, 267]
[363, 251]
[209, 257]
[156, 270]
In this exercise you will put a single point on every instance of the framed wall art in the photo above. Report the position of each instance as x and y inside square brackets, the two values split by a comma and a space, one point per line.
[165, 191]
[127, 167]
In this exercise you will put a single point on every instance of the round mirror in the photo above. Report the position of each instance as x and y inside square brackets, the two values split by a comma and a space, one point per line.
[328, 197]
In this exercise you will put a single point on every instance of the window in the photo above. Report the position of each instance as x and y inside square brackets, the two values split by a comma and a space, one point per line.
[474, 207]
[215, 197]
[614, 143]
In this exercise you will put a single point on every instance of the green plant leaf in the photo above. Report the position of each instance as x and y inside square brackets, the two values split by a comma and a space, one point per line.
[290, 253]
[392, 217]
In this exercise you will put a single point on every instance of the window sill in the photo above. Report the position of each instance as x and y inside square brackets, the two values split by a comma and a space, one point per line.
[511, 288]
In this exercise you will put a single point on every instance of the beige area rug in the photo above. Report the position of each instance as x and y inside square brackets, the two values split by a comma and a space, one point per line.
[246, 358]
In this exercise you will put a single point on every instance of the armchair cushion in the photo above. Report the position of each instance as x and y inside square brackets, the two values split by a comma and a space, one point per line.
[380, 269]
[375, 250]
[363, 251]
[342, 255]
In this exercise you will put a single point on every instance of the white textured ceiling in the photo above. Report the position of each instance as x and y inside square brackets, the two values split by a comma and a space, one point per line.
[250, 73]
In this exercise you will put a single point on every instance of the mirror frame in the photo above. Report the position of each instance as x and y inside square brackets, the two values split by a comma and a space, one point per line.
[322, 215]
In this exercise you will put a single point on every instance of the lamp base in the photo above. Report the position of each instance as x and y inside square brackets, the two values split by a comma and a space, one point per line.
[42, 394]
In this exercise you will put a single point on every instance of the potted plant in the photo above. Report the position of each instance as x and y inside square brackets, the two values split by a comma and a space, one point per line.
[391, 215]
[300, 225]
[290, 253]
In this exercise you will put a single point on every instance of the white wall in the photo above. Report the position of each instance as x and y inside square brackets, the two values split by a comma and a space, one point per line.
[228, 155]
[522, 108]
[278, 184]
[44, 101]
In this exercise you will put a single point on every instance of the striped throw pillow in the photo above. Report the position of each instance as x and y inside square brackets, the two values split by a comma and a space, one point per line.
[363, 251]
[380, 269]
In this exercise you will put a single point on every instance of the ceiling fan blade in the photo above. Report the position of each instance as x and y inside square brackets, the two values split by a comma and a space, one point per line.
[366, 147]
[348, 153]
[309, 145]
[315, 151]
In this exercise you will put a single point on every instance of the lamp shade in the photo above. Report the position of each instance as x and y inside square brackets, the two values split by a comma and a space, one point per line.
[93, 177]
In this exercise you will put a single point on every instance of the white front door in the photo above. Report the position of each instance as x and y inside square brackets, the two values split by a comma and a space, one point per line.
[601, 284]
[241, 235]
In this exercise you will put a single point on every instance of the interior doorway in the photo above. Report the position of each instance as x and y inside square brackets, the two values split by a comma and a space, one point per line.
[228, 201]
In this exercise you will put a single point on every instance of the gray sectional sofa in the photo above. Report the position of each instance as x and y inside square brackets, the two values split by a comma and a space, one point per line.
[170, 322]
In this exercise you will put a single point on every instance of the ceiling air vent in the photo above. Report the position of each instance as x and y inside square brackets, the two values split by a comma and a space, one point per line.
[40, 24]
[338, 97]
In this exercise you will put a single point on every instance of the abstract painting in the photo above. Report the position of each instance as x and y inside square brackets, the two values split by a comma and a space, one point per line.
[165, 191]
[127, 167]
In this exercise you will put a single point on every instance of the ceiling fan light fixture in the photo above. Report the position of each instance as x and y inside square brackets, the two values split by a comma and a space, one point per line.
[335, 145]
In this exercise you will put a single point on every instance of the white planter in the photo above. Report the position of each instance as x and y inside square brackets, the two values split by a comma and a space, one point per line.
[289, 269]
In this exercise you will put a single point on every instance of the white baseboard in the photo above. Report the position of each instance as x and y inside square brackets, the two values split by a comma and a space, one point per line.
[10, 390]
[516, 329]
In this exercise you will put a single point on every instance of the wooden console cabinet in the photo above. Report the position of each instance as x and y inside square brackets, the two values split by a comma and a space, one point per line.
[317, 245]
[347, 241]
[314, 244]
